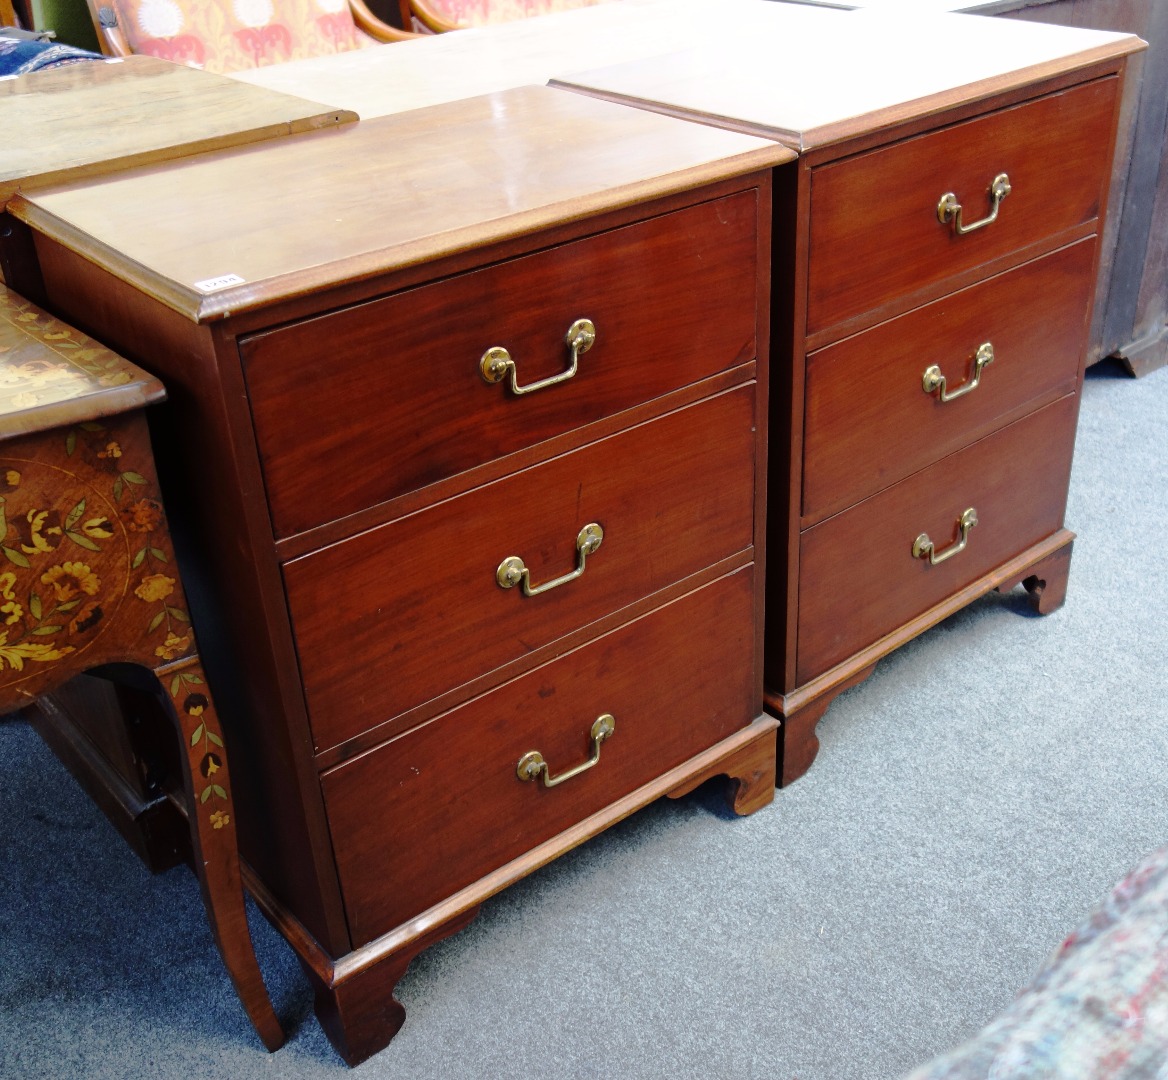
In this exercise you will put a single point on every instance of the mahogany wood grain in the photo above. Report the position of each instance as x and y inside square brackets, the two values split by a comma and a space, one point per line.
[449, 790]
[391, 725]
[1012, 572]
[371, 614]
[930, 291]
[411, 390]
[874, 227]
[751, 774]
[858, 576]
[1045, 582]
[212, 459]
[869, 421]
[82, 120]
[463, 175]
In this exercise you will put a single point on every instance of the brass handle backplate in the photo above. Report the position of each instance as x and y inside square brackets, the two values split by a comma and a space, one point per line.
[949, 209]
[496, 363]
[923, 547]
[513, 571]
[933, 381]
[532, 765]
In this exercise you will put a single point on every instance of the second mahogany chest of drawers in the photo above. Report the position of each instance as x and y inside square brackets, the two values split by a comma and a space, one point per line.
[932, 294]
[472, 444]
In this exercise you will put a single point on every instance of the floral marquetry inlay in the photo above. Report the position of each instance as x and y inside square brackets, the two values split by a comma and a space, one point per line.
[84, 549]
[88, 578]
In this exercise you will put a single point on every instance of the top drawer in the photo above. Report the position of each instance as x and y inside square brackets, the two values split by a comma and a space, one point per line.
[368, 403]
[875, 230]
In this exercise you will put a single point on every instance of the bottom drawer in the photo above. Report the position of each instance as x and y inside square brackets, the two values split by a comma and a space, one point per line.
[858, 576]
[430, 812]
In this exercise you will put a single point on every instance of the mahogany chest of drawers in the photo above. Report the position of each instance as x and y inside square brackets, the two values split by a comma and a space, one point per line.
[469, 421]
[934, 271]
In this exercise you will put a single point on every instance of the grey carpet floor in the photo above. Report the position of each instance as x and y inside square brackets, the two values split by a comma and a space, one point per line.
[971, 801]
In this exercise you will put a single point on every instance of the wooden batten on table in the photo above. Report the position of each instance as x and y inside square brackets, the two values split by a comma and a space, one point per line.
[92, 119]
[472, 444]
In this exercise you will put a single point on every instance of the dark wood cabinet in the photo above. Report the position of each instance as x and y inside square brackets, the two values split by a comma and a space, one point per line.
[1131, 307]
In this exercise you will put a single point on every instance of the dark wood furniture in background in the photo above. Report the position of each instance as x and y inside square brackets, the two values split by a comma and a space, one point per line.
[529, 365]
[88, 581]
[935, 266]
[1131, 320]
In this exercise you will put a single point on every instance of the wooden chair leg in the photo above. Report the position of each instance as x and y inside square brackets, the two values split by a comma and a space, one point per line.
[213, 842]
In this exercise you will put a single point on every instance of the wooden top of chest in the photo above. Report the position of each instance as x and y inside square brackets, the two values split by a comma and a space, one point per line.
[52, 375]
[438, 68]
[811, 76]
[214, 235]
[88, 119]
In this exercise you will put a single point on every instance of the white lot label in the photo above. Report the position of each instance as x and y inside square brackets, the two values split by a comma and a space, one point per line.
[216, 283]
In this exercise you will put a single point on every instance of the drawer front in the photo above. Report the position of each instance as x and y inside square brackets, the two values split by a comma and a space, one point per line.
[360, 406]
[870, 420]
[393, 617]
[875, 233]
[858, 577]
[432, 811]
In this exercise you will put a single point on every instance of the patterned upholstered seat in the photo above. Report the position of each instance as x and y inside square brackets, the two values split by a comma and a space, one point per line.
[439, 15]
[231, 35]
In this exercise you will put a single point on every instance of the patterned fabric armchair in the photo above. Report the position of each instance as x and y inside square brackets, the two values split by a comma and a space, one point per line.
[441, 15]
[1098, 1010]
[231, 35]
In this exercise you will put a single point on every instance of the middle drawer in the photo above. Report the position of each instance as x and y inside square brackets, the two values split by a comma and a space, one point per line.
[871, 419]
[395, 616]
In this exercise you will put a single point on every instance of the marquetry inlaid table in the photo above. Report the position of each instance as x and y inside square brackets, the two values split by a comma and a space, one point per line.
[88, 581]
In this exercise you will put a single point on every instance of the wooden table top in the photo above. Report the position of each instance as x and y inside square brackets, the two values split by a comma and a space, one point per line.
[85, 119]
[467, 63]
[52, 375]
[801, 73]
[414, 187]
[810, 76]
